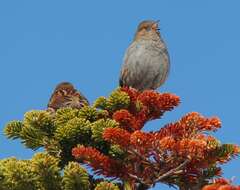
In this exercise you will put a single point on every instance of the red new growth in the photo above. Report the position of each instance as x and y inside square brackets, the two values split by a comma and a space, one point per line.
[178, 153]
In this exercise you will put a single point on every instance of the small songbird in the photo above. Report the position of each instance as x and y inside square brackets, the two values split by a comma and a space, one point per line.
[65, 95]
[146, 62]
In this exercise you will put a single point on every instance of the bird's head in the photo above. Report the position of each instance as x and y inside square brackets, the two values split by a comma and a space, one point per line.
[63, 86]
[147, 29]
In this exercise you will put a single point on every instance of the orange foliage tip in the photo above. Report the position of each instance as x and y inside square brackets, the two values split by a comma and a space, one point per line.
[99, 162]
[167, 143]
[117, 136]
[190, 124]
[236, 149]
[87, 153]
[193, 148]
[132, 93]
[125, 119]
[197, 121]
[148, 105]
[222, 181]
[141, 139]
[141, 118]
[151, 98]
[164, 102]
[221, 184]
[190, 148]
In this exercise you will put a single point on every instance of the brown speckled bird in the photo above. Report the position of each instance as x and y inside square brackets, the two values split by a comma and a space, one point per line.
[65, 95]
[146, 62]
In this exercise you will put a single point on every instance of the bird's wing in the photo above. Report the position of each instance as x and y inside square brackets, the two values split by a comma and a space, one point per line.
[162, 69]
[132, 69]
[82, 98]
[67, 98]
[57, 100]
[123, 75]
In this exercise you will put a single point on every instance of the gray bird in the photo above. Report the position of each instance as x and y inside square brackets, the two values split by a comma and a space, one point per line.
[146, 61]
[65, 95]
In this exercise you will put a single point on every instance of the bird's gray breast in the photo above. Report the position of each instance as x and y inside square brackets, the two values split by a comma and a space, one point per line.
[146, 65]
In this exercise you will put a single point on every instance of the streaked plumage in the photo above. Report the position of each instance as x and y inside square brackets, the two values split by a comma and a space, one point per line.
[146, 61]
[65, 95]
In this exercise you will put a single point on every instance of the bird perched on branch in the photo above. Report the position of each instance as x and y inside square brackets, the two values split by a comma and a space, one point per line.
[65, 95]
[146, 61]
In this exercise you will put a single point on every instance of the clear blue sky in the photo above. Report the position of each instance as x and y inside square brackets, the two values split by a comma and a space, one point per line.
[45, 42]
